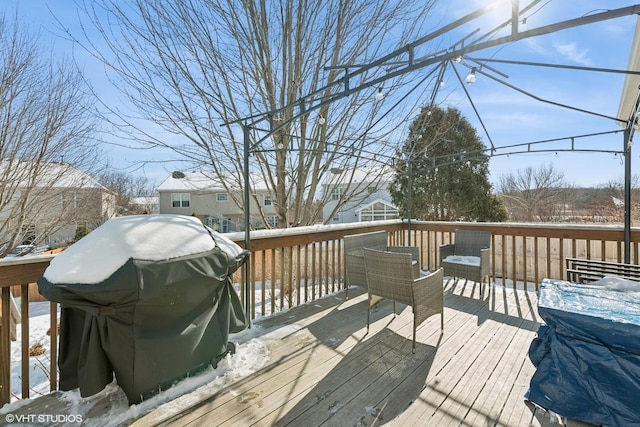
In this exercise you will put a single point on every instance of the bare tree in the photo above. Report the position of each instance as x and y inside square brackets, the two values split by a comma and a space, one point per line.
[126, 188]
[46, 124]
[608, 201]
[188, 66]
[534, 194]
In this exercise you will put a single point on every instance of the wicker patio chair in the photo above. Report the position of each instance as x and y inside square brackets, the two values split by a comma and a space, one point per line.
[390, 276]
[354, 256]
[469, 245]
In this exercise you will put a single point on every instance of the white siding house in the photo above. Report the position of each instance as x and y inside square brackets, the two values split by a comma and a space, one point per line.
[363, 195]
[204, 196]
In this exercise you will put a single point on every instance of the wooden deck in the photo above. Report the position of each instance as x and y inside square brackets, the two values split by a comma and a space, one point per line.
[328, 371]
[324, 369]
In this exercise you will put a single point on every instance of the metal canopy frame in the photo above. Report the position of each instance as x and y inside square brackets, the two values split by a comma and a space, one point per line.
[398, 66]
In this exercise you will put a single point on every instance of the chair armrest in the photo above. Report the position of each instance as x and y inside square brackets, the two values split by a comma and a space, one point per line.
[447, 250]
[430, 277]
[428, 294]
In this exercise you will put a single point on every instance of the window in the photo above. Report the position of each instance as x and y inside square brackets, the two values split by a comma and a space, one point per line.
[222, 197]
[266, 200]
[69, 200]
[220, 224]
[272, 221]
[378, 211]
[336, 193]
[180, 200]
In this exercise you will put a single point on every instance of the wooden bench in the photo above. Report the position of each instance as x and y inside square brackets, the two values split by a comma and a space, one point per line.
[589, 270]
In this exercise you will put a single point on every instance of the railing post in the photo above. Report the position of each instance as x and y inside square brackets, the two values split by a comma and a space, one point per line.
[53, 337]
[24, 343]
[5, 346]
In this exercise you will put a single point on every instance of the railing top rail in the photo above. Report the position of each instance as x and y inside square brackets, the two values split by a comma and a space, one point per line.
[310, 234]
[23, 270]
[310, 229]
[31, 259]
[20, 270]
[555, 230]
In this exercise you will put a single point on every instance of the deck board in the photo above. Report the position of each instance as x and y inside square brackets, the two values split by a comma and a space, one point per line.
[463, 377]
[465, 373]
[325, 369]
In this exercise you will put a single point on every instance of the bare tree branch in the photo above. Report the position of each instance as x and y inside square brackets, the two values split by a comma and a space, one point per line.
[187, 66]
[47, 122]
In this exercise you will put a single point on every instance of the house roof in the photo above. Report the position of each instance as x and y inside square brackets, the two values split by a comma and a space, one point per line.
[363, 174]
[51, 175]
[384, 202]
[201, 181]
[190, 181]
[67, 176]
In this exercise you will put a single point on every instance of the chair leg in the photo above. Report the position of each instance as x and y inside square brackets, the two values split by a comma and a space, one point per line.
[368, 311]
[442, 320]
[394, 309]
[413, 348]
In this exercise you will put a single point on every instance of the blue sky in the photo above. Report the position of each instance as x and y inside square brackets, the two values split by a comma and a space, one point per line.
[513, 118]
[510, 117]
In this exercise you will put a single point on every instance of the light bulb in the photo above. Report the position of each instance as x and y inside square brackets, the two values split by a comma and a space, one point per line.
[322, 120]
[379, 95]
[471, 78]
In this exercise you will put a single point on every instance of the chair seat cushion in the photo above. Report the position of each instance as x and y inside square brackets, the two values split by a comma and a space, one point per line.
[459, 259]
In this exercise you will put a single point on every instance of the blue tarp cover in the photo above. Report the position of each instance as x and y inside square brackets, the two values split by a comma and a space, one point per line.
[587, 356]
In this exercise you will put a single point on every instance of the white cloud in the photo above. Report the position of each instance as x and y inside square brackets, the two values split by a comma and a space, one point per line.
[573, 53]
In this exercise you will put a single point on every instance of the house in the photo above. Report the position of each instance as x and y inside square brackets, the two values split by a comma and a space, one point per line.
[146, 204]
[44, 203]
[361, 194]
[216, 203]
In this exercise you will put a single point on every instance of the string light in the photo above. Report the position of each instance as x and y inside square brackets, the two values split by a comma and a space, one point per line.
[379, 95]
[471, 78]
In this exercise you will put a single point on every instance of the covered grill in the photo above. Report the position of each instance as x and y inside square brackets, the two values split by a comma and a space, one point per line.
[147, 299]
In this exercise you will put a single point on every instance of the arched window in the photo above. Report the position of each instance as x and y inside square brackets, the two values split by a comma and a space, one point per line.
[378, 210]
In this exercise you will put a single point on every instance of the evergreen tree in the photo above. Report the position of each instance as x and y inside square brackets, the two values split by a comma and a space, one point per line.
[81, 231]
[449, 170]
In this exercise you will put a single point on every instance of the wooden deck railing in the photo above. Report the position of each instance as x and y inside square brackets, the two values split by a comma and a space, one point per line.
[299, 265]
[20, 272]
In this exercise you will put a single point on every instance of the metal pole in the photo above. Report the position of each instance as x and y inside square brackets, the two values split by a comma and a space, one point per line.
[247, 225]
[628, 137]
[409, 201]
[627, 195]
